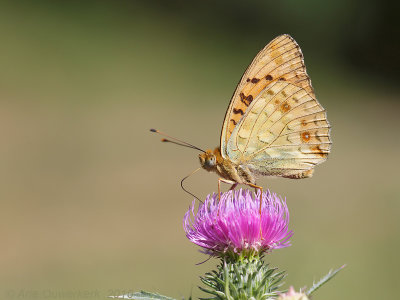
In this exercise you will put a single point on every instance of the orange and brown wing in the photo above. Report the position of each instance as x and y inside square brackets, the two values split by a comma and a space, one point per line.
[280, 60]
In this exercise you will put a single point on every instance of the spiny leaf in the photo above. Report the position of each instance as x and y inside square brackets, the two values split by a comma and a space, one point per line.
[323, 280]
[212, 292]
[142, 295]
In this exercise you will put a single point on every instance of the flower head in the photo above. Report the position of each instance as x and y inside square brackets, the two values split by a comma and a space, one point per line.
[234, 225]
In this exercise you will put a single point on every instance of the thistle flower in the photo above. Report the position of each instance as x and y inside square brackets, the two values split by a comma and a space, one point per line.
[234, 227]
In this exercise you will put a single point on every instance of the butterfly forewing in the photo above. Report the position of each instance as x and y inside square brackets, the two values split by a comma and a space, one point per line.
[280, 60]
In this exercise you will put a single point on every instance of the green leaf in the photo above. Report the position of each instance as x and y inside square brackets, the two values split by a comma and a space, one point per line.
[323, 280]
[142, 295]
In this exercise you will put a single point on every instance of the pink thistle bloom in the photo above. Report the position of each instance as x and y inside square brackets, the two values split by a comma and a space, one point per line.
[232, 227]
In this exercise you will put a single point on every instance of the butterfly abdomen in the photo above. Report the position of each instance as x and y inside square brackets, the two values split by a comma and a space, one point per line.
[301, 175]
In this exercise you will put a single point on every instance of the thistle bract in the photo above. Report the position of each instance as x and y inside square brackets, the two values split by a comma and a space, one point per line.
[234, 226]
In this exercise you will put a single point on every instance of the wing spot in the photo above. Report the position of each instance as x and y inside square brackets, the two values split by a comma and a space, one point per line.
[296, 99]
[285, 107]
[269, 77]
[255, 80]
[284, 94]
[238, 111]
[270, 92]
[233, 121]
[243, 99]
[248, 79]
[319, 151]
[305, 136]
[279, 60]
[303, 123]
[282, 79]
[246, 100]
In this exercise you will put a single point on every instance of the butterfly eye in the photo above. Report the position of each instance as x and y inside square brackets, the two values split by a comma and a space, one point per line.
[209, 162]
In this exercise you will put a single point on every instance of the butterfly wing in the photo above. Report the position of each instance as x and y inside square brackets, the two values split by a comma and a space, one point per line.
[281, 59]
[274, 124]
[284, 132]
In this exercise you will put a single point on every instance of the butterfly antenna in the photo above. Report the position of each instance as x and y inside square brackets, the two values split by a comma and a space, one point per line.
[175, 140]
[200, 263]
[176, 143]
[183, 188]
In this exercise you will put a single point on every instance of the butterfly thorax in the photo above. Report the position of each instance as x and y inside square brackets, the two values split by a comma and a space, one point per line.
[213, 161]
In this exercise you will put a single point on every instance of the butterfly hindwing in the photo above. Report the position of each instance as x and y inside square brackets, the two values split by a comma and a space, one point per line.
[284, 132]
[280, 60]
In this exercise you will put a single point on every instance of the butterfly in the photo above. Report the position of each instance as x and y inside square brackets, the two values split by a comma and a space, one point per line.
[274, 125]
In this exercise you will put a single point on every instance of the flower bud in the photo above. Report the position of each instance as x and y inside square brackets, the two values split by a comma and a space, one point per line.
[292, 295]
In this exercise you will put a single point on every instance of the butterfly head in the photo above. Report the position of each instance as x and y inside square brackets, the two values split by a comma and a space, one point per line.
[208, 160]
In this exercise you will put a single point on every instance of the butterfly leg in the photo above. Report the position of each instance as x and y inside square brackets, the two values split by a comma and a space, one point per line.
[261, 193]
[234, 184]
[233, 187]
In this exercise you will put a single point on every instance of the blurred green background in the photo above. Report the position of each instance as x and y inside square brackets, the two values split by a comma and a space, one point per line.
[90, 200]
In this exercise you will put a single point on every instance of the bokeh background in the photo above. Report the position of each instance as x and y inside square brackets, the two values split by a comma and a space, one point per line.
[90, 200]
